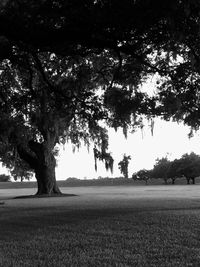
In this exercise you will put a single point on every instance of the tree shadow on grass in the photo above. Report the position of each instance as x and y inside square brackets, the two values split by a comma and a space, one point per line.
[45, 196]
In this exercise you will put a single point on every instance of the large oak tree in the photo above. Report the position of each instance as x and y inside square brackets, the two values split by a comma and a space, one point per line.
[47, 100]
[58, 53]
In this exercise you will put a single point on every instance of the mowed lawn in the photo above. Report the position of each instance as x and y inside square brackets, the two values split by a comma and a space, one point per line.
[102, 226]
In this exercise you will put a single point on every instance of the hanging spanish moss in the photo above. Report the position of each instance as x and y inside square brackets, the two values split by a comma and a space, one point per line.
[104, 157]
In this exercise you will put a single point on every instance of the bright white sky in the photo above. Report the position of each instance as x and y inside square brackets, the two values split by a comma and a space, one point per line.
[168, 137]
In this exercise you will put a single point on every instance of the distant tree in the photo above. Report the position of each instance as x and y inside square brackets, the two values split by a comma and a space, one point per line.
[5, 178]
[174, 170]
[19, 169]
[19, 173]
[142, 175]
[189, 167]
[161, 169]
[123, 165]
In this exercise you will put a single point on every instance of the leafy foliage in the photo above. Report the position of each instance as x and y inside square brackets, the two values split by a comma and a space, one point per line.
[126, 51]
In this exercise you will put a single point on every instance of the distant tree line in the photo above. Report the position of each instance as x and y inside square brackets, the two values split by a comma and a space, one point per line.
[4, 178]
[187, 167]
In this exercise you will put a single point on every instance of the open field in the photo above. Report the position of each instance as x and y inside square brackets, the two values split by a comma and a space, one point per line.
[102, 226]
[96, 182]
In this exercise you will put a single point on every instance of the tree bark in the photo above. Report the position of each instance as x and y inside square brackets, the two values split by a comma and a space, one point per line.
[193, 180]
[45, 173]
[46, 180]
[43, 163]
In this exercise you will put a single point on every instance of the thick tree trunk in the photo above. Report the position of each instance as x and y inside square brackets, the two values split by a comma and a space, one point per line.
[43, 163]
[46, 180]
[45, 168]
[45, 174]
[193, 180]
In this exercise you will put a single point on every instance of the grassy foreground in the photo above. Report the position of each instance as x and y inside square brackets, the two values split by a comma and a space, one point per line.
[119, 226]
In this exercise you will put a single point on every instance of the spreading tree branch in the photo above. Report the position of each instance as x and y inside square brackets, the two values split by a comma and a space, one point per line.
[27, 157]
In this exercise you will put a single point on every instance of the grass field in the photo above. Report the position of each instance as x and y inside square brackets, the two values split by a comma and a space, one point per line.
[102, 226]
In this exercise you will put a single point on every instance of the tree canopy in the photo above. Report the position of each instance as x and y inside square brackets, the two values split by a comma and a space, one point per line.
[136, 39]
